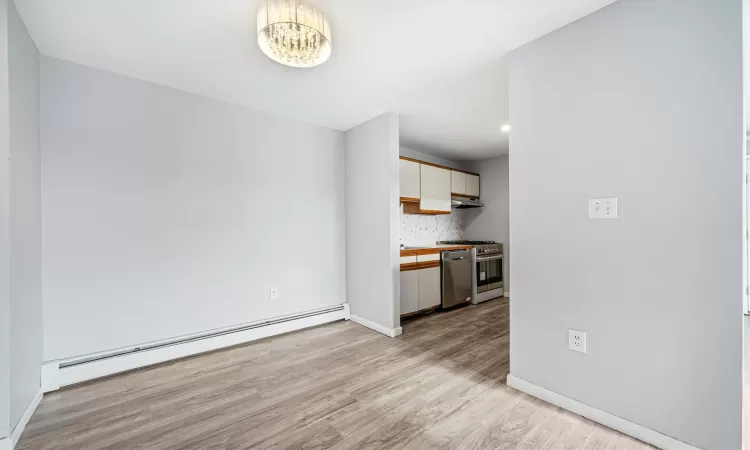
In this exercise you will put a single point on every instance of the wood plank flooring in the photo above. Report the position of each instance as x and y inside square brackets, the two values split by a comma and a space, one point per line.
[339, 386]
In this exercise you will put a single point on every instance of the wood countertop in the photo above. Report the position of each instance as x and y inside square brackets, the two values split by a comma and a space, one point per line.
[433, 249]
[426, 257]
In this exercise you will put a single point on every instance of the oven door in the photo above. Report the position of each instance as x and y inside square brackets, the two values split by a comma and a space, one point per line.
[489, 272]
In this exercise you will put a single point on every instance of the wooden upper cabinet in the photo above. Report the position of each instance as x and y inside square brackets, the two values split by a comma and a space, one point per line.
[472, 185]
[435, 189]
[458, 182]
[409, 180]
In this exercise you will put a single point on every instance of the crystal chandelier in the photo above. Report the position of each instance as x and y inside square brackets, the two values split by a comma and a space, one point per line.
[294, 33]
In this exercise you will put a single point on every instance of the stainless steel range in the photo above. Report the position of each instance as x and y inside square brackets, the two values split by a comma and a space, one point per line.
[487, 270]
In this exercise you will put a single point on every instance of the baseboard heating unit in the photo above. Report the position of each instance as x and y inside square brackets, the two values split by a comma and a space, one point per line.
[59, 373]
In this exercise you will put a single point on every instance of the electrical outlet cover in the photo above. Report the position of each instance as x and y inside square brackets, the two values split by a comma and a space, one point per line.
[603, 208]
[274, 293]
[577, 341]
[610, 208]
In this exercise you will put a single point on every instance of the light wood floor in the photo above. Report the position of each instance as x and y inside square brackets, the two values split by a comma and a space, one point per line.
[439, 385]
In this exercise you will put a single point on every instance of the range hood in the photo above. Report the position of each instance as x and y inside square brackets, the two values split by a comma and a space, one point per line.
[463, 203]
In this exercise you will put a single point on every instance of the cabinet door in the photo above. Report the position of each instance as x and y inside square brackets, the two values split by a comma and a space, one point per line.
[409, 291]
[408, 178]
[472, 185]
[458, 182]
[429, 287]
[436, 189]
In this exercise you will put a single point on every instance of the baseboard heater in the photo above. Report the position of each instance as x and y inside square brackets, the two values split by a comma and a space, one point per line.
[56, 374]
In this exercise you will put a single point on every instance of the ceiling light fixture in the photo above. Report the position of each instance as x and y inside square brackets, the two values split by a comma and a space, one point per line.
[294, 33]
[505, 128]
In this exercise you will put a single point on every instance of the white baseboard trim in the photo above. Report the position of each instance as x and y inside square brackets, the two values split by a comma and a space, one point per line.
[642, 433]
[50, 378]
[390, 332]
[6, 444]
[15, 435]
[55, 377]
[507, 294]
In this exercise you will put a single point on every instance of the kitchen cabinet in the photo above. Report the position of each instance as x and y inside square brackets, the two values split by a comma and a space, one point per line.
[435, 184]
[458, 182]
[420, 277]
[409, 180]
[464, 184]
[409, 291]
[472, 185]
[426, 188]
[429, 287]
[428, 257]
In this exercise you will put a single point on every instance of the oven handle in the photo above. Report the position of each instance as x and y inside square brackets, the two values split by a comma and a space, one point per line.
[488, 258]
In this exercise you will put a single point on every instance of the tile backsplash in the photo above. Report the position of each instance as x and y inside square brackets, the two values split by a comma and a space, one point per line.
[421, 228]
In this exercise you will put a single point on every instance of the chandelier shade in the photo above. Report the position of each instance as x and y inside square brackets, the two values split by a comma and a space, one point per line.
[294, 33]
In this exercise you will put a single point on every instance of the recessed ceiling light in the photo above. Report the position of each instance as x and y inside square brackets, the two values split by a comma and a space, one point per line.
[294, 33]
[505, 128]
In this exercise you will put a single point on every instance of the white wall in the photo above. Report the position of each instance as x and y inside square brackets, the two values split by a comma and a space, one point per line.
[641, 100]
[25, 218]
[167, 213]
[4, 229]
[409, 153]
[491, 223]
[746, 57]
[372, 248]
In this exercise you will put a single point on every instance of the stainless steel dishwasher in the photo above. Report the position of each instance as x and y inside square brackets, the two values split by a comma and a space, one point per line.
[456, 277]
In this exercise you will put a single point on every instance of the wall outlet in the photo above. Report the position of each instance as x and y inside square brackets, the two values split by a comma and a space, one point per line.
[577, 341]
[274, 293]
[602, 208]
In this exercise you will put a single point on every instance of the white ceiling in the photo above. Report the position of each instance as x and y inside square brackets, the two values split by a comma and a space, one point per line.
[437, 62]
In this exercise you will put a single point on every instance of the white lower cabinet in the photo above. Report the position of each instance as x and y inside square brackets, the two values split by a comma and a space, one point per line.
[409, 291]
[420, 289]
[429, 287]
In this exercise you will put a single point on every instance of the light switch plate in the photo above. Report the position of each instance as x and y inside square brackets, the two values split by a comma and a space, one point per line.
[603, 208]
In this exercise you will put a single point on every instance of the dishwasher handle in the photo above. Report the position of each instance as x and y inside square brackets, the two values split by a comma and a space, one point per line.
[456, 255]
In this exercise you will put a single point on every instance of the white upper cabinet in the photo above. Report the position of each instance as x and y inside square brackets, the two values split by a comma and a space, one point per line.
[426, 188]
[458, 182]
[472, 185]
[409, 178]
[436, 189]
